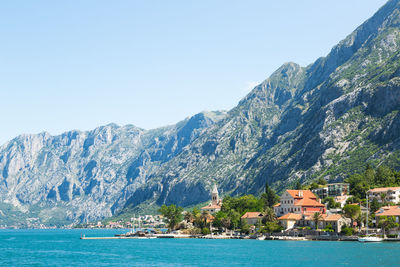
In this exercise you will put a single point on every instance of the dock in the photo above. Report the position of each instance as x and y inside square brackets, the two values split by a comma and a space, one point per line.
[83, 237]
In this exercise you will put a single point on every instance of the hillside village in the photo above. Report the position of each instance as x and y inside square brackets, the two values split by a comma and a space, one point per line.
[315, 210]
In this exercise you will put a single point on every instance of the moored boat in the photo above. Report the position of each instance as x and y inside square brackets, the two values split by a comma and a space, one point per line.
[370, 239]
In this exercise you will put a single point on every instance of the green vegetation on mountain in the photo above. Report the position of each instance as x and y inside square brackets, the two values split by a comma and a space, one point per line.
[383, 176]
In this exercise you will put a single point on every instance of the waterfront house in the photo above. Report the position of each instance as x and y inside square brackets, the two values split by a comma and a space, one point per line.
[252, 217]
[215, 204]
[298, 202]
[289, 220]
[385, 194]
[388, 211]
[292, 220]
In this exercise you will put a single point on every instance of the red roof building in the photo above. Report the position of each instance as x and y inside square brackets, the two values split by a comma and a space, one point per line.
[252, 217]
[389, 211]
[290, 220]
[298, 202]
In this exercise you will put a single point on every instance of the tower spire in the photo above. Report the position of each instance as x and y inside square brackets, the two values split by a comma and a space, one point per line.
[215, 196]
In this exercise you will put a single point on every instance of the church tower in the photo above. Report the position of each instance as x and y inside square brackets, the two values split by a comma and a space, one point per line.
[215, 197]
[215, 204]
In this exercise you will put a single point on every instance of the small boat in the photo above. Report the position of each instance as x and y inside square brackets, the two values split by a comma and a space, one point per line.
[370, 239]
[261, 238]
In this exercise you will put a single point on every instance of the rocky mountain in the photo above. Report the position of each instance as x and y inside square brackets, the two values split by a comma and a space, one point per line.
[326, 120]
[82, 176]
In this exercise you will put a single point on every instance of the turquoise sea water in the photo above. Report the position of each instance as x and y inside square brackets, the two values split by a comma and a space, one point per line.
[64, 248]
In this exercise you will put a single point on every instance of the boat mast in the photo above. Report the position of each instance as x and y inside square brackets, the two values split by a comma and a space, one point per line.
[367, 213]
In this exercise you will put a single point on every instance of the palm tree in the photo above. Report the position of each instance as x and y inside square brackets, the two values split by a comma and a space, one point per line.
[226, 223]
[362, 217]
[204, 216]
[387, 223]
[269, 215]
[316, 218]
[189, 217]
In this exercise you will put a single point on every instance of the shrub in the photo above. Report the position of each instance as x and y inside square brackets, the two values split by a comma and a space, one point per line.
[205, 231]
[329, 228]
[347, 231]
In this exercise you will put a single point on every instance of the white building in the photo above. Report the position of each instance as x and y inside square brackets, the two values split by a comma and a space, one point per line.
[385, 194]
[299, 202]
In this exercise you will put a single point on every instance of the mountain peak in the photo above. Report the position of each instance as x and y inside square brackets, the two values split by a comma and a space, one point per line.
[387, 16]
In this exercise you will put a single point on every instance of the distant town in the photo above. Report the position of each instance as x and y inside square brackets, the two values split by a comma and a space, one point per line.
[317, 211]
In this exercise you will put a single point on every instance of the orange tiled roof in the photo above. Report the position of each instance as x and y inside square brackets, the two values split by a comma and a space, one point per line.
[252, 215]
[388, 211]
[383, 189]
[332, 217]
[309, 202]
[290, 216]
[306, 194]
[210, 206]
[277, 205]
[309, 216]
[309, 213]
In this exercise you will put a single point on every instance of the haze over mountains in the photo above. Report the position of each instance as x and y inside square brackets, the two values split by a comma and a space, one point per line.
[324, 120]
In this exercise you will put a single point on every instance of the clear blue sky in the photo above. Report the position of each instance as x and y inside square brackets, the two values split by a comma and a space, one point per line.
[80, 64]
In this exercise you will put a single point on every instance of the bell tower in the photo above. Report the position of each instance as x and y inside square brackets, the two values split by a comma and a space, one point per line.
[214, 195]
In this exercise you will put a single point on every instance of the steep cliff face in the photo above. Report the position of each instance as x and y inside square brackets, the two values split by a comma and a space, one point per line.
[324, 120]
[81, 176]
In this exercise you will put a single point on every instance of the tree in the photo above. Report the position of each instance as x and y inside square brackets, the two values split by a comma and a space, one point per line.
[189, 216]
[269, 197]
[331, 203]
[242, 204]
[205, 231]
[387, 223]
[271, 227]
[298, 185]
[321, 181]
[269, 216]
[221, 220]
[348, 231]
[204, 217]
[329, 228]
[245, 228]
[361, 218]
[313, 186]
[385, 176]
[352, 200]
[352, 212]
[172, 215]
[316, 218]
[375, 205]
[196, 212]
[234, 217]
[226, 222]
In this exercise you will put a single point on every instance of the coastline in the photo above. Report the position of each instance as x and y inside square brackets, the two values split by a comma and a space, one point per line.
[261, 238]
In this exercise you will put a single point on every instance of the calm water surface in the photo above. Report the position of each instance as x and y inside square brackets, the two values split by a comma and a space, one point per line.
[64, 248]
